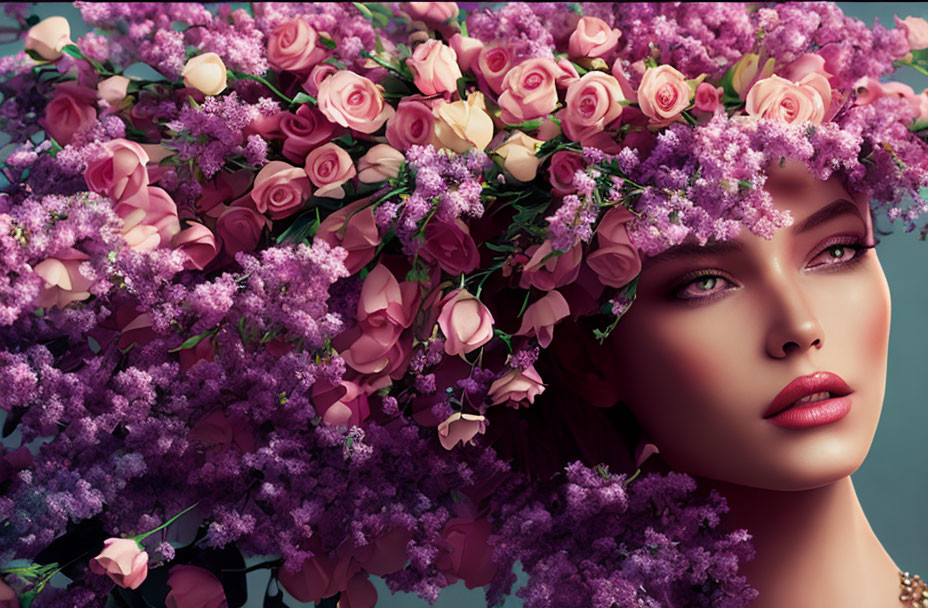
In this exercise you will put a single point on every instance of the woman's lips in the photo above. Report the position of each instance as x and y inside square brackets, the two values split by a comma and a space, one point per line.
[804, 386]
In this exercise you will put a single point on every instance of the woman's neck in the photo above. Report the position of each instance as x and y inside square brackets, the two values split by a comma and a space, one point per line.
[814, 548]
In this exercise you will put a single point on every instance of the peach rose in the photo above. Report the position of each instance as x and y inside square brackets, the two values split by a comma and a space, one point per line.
[293, 46]
[916, 31]
[359, 236]
[556, 272]
[564, 165]
[460, 428]
[518, 154]
[113, 90]
[48, 37]
[329, 167]
[205, 73]
[593, 38]
[199, 243]
[593, 103]
[516, 386]
[119, 172]
[467, 49]
[776, 98]
[304, 131]
[319, 73]
[463, 125]
[707, 97]
[64, 282]
[382, 162]
[69, 112]
[412, 124]
[435, 68]
[465, 322]
[470, 557]
[194, 587]
[239, 229]
[493, 63]
[451, 246]
[280, 189]
[529, 90]
[540, 317]
[567, 74]
[353, 101]
[663, 94]
[123, 560]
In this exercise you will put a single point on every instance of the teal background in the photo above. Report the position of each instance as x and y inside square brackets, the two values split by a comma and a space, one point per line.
[891, 483]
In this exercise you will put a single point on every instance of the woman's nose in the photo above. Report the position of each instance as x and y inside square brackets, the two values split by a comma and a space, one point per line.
[794, 326]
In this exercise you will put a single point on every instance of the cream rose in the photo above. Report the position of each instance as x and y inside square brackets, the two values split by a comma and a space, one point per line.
[48, 37]
[777, 98]
[663, 94]
[463, 125]
[518, 154]
[382, 162]
[205, 73]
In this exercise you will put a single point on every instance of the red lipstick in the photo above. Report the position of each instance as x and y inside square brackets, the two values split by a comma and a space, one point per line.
[808, 401]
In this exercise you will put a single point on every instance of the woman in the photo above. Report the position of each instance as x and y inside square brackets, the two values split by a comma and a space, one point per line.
[722, 338]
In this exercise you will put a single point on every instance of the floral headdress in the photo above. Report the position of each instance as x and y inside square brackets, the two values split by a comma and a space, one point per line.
[331, 278]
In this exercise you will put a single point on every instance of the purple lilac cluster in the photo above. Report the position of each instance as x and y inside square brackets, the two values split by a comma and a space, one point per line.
[519, 24]
[594, 540]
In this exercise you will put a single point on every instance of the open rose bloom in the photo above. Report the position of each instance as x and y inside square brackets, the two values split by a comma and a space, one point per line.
[362, 285]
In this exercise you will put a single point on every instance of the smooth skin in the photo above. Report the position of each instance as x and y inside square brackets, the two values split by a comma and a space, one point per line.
[716, 332]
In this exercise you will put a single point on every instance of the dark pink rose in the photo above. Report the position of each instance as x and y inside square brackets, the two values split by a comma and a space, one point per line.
[470, 555]
[360, 236]
[304, 131]
[280, 189]
[119, 172]
[412, 124]
[239, 229]
[707, 97]
[70, 110]
[199, 243]
[194, 587]
[556, 272]
[564, 164]
[451, 246]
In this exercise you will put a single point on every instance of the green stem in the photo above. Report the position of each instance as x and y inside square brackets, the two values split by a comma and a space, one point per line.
[241, 75]
[142, 537]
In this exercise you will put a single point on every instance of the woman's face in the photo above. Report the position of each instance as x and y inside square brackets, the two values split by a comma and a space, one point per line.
[716, 333]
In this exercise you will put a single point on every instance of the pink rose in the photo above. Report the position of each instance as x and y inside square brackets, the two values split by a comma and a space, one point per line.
[48, 37]
[318, 74]
[8, 596]
[567, 73]
[435, 15]
[412, 124]
[343, 405]
[807, 63]
[616, 262]
[239, 229]
[280, 189]
[360, 236]
[353, 101]
[134, 326]
[557, 271]
[470, 555]
[329, 167]
[467, 49]
[193, 587]
[199, 243]
[451, 246]
[267, 127]
[153, 212]
[215, 430]
[529, 91]
[460, 428]
[64, 282]
[776, 98]
[113, 90]
[435, 68]
[540, 318]
[465, 322]
[123, 561]
[663, 94]
[119, 172]
[593, 38]
[517, 386]
[70, 111]
[707, 97]
[292, 46]
[386, 555]
[593, 103]
[382, 162]
[492, 65]
[304, 131]
[916, 31]
[223, 188]
[564, 164]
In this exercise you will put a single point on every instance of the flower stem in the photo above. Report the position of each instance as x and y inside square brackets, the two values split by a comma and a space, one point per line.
[141, 537]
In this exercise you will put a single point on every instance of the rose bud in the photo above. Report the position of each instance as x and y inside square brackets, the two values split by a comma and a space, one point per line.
[48, 37]
[465, 322]
[199, 243]
[518, 153]
[382, 162]
[517, 386]
[539, 318]
[435, 67]
[123, 561]
[113, 90]
[460, 428]
[205, 73]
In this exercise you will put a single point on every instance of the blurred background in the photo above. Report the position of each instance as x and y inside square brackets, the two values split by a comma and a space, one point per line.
[891, 483]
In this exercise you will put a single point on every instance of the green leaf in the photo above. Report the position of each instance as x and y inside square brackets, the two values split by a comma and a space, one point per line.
[191, 342]
[365, 12]
[94, 345]
[35, 55]
[327, 42]
[498, 248]
[73, 51]
[301, 98]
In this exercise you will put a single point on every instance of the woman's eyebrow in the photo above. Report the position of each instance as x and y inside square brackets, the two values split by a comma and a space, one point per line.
[830, 211]
[687, 250]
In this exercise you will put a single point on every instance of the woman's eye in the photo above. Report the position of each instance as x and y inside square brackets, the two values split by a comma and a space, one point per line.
[703, 287]
[835, 254]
